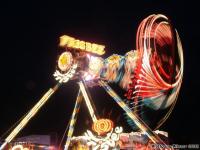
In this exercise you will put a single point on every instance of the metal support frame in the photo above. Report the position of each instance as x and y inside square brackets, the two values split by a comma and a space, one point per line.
[139, 122]
[87, 101]
[29, 115]
[81, 94]
[73, 119]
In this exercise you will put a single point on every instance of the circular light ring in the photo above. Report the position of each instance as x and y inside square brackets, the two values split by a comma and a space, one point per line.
[102, 126]
[159, 70]
[65, 61]
[154, 34]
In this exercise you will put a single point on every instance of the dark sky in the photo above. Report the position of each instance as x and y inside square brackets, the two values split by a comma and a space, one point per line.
[30, 34]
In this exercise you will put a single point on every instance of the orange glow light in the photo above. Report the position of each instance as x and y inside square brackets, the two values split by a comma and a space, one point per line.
[102, 126]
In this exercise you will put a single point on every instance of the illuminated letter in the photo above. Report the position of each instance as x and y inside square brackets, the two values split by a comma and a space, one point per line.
[82, 45]
[88, 47]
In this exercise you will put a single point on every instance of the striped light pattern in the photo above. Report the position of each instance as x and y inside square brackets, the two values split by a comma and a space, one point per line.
[73, 119]
[87, 101]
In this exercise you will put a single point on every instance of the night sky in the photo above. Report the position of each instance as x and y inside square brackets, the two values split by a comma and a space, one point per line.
[29, 49]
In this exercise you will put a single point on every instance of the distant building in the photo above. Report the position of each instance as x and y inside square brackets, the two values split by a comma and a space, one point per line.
[32, 142]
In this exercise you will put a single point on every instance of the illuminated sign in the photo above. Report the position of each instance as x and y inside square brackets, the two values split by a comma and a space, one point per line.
[70, 42]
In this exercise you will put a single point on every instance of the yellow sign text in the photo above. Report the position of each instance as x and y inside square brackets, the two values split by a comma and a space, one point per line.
[70, 42]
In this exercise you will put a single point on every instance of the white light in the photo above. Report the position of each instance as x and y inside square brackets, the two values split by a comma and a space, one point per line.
[88, 77]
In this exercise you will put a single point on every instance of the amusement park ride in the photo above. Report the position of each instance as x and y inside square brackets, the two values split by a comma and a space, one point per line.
[152, 76]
